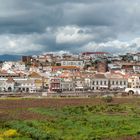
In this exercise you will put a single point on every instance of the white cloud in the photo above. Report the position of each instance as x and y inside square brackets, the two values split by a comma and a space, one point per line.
[19, 44]
[72, 34]
[114, 46]
[58, 52]
[24, 44]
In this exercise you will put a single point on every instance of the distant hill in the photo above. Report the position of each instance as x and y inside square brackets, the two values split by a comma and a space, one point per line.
[8, 57]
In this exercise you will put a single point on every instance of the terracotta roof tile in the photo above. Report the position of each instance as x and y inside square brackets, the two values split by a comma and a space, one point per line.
[35, 75]
[65, 67]
[10, 80]
[100, 76]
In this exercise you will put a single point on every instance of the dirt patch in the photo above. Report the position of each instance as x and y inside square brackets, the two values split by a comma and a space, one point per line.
[27, 115]
[13, 104]
[18, 109]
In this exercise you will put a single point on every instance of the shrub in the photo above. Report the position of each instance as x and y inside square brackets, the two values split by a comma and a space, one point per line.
[107, 99]
[27, 129]
[11, 133]
[138, 133]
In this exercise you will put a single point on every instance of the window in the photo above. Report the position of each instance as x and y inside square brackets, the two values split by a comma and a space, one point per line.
[112, 82]
[93, 82]
[100, 82]
[124, 82]
[72, 63]
[64, 63]
[104, 82]
[96, 82]
[120, 82]
[79, 63]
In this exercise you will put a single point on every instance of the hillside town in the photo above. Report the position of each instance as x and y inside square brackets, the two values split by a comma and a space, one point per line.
[57, 73]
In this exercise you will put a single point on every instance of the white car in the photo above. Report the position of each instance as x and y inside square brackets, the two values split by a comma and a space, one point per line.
[133, 91]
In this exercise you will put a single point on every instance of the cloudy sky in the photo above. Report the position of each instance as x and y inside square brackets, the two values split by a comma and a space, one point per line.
[37, 26]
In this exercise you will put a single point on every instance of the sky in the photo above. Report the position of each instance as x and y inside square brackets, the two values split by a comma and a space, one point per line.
[38, 26]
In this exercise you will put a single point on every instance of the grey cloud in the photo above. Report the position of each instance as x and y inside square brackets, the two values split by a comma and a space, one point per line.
[103, 20]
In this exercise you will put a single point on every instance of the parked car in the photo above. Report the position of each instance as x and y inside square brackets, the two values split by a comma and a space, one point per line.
[133, 91]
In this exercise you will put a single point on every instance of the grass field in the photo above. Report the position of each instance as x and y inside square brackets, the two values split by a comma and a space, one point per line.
[70, 119]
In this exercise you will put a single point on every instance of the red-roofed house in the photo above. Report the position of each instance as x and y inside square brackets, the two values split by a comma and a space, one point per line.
[96, 54]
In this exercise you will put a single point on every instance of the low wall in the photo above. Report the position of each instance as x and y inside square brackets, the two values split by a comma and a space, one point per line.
[64, 94]
[85, 94]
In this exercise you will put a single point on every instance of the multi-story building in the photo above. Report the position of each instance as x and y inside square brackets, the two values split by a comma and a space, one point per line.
[117, 81]
[114, 67]
[134, 81]
[108, 81]
[67, 85]
[25, 85]
[27, 59]
[55, 84]
[67, 68]
[96, 54]
[99, 81]
[130, 67]
[13, 84]
[72, 62]
[136, 57]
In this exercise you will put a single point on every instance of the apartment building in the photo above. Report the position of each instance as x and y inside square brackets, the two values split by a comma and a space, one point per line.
[134, 81]
[99, 81]
[108, 81]
[117, 81]
[72, 62]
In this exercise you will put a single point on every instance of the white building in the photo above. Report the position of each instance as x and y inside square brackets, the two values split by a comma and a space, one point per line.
[108, 81]
[14, 84]
[67, 85]
[7, 65]
[99, 81]
[74, 62]
[25, 85]
[19, 66]
[136, 57]
[117, 81]
[136, 68]
[134, 81]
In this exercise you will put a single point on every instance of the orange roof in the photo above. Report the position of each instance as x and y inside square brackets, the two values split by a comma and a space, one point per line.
[35, 75]
[65, 75]
[117, 75]
[100, 76]
[10, 80]
[38, 81]
[3, 71]
[65, 67]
